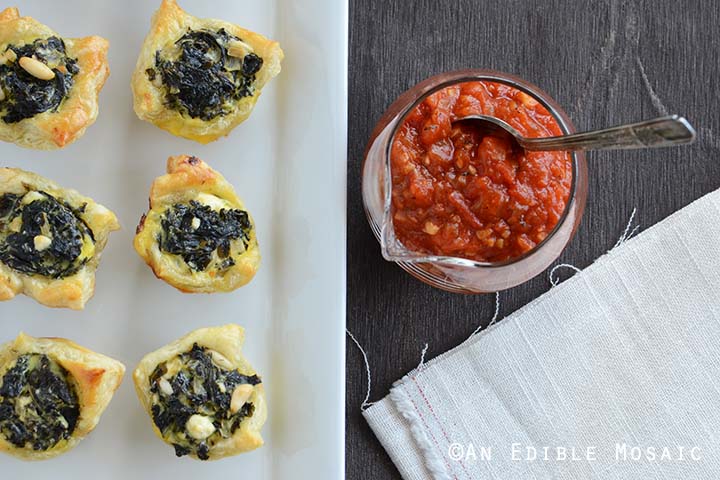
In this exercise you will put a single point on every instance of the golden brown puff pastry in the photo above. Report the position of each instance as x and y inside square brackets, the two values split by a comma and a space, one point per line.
[50, 240]
[200, 78]
[50, 85]
[204, 398]
[197, 236]
[52, 393]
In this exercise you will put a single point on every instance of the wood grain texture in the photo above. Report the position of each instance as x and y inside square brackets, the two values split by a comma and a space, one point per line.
[606, 62]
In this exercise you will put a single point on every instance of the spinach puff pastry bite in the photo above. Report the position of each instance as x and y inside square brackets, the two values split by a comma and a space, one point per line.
[200, 78]
[204, 398]
[197, 235]
[49, 85]
[51, 239]
[52, 394]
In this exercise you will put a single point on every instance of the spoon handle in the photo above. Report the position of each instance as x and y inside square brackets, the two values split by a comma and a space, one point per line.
[658, 132]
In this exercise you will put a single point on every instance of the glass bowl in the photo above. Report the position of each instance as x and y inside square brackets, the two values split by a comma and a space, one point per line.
[455, 274]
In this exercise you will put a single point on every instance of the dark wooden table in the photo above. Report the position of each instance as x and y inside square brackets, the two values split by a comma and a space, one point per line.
[606, 62]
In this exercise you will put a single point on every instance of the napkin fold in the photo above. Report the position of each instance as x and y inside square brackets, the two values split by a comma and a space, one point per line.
[613, 374]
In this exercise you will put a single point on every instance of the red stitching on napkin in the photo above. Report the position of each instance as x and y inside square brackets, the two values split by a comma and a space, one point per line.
[437, 420]
[427, 427]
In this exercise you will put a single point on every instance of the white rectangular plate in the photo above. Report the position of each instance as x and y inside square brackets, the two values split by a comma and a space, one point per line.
[288, 162]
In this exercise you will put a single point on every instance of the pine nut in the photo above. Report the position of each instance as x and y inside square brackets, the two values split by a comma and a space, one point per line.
[10, 55]
[240, 397]
[41, 242]
[165, 386]
[36, 68]
[220, 360]
[199, 427]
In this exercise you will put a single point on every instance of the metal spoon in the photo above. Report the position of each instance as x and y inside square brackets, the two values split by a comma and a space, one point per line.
[658, 132]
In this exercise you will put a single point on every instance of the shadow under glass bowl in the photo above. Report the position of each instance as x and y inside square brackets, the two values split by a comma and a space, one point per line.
[456, 274]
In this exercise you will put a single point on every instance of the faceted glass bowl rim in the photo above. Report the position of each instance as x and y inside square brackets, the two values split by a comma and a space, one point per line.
[454, 78]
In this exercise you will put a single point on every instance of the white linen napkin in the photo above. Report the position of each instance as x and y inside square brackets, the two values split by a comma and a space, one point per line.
[613, 374]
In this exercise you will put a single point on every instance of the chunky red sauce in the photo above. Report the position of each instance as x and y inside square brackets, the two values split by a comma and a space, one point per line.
[461, 193]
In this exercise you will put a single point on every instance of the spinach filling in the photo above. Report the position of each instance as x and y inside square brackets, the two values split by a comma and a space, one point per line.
[198, 234]
[46, 218]
[25, 95]
[193, 384]
[38, 405]
[204, 81]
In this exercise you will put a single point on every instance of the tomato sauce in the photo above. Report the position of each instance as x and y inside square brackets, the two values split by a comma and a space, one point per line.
[457, 191]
